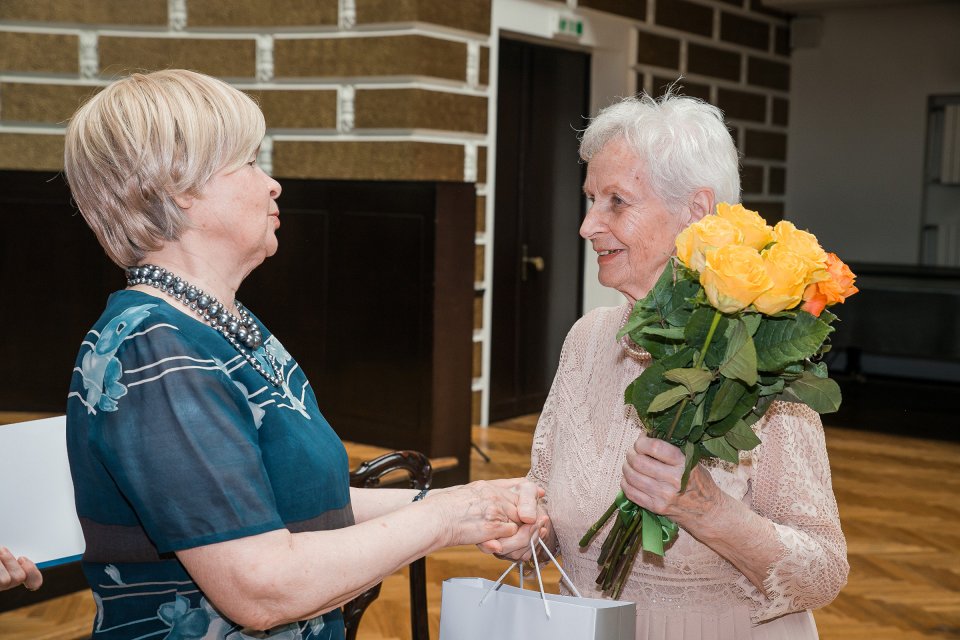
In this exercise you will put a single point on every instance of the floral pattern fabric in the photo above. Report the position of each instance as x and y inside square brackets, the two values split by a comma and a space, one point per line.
[175, 442]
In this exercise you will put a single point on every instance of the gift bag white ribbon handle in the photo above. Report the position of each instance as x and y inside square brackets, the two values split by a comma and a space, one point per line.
[536, 564]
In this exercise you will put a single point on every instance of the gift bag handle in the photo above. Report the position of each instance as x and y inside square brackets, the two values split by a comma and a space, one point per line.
[536, 564]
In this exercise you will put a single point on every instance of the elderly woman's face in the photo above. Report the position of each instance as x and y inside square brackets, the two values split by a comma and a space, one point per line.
[237, 210]
[631, 229]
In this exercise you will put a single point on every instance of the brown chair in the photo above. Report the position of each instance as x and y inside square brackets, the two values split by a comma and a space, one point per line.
[420, 475]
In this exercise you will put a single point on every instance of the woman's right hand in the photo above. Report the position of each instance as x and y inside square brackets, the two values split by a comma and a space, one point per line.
[14, 571]
[487, 511]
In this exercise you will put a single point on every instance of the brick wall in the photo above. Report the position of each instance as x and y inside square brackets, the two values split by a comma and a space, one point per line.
[352, 89]
[731, 53]
[378, 89]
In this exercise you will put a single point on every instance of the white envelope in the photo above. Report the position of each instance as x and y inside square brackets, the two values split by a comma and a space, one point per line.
[38, 518]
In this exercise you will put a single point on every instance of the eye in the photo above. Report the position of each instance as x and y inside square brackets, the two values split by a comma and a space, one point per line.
[617, 200]
[121, 327]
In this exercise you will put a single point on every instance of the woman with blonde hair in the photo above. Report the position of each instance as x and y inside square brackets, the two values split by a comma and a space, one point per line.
[213, 495]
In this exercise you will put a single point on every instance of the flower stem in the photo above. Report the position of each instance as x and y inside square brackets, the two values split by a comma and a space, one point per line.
[592, 531]
[703, 354]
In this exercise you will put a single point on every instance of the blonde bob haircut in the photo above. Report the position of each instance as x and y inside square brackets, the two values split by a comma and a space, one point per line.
[146, 139]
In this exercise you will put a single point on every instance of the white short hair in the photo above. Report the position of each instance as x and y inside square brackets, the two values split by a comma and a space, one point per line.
[682, 142]
[145, 139]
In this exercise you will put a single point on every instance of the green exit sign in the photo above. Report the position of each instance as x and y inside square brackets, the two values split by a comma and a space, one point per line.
[569, 26]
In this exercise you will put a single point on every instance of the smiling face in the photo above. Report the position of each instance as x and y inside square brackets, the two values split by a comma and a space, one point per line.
[631, 228]
[237, 212]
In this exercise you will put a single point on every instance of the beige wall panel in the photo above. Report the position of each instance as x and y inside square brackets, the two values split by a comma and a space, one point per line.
[298, 109]
[484, 75]
[39, 52]
[481, 165]
[473, 15]
[368, 160]
[31, 152]
[48, 103]
[257, 13]
[384, 56]
[420, 109]
[477, 359]
[147, 12]
[223, 58]
[478, 264]
[478, 312]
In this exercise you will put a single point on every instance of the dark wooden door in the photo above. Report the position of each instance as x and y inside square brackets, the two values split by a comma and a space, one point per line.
[538, 257]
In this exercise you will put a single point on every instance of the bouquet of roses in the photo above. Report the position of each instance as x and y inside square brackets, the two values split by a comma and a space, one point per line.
[736, 321]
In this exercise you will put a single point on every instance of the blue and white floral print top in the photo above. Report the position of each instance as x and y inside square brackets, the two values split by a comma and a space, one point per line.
[175, 442]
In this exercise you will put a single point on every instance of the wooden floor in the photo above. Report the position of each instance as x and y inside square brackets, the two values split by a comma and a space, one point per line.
[898, 505]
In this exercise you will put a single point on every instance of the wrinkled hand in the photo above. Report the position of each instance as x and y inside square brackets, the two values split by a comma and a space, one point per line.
[651, 478]
[517, 546]
[16, 571]
[488, 511]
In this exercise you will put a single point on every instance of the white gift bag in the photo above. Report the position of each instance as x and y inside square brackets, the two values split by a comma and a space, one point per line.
[478, 609]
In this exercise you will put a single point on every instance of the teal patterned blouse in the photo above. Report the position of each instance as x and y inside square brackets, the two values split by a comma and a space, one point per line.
[175, 442]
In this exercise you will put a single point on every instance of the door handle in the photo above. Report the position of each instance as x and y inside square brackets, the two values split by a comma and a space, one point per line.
[526, 259]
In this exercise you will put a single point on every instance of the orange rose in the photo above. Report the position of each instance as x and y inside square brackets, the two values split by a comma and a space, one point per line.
[733, 277]
[703, 236]
[802, 243]
[756, 232]
[789, 272]
[837, 287]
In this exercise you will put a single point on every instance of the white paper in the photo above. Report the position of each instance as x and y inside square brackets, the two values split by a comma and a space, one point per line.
[38, 518]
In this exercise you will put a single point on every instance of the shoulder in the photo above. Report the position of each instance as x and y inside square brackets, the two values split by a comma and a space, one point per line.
[599, 322]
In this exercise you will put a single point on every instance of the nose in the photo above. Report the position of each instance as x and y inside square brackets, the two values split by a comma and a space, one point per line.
[275, 189]
[592, 223]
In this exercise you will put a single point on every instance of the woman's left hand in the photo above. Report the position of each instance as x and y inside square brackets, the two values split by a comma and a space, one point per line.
[651, 478]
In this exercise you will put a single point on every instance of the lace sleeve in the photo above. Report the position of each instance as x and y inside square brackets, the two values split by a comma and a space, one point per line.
[547, 425]
[792, 487]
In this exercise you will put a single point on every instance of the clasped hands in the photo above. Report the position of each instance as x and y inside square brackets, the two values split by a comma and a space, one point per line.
[531, 521]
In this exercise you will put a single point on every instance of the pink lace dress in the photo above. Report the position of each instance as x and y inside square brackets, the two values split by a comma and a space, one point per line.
[691, 593]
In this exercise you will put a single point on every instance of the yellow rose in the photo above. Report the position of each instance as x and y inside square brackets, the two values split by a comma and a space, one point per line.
[733, 277]
[803, 244]
[789, 273]
[756, 232]
[705, 235]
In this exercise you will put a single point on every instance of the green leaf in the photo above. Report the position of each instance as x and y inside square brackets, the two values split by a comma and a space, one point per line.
[658, 424]
[820, 394]
[770, 389]
[781, 341]
[695, 380]
[667, 399]
[818, 369]
[742, 437]
[641, 392]
[691, 456]
[697, 330]
[759, 409]
[752, 320]
[721, 449]
[741, 409]
[639, 317]
[740, 358]
[671, 333]
[729, 393]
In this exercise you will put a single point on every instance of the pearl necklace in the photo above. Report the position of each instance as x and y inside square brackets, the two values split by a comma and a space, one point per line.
[243, 333]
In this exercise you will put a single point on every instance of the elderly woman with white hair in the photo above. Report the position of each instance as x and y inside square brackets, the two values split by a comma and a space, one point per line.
[760, 543]
[213, 495]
